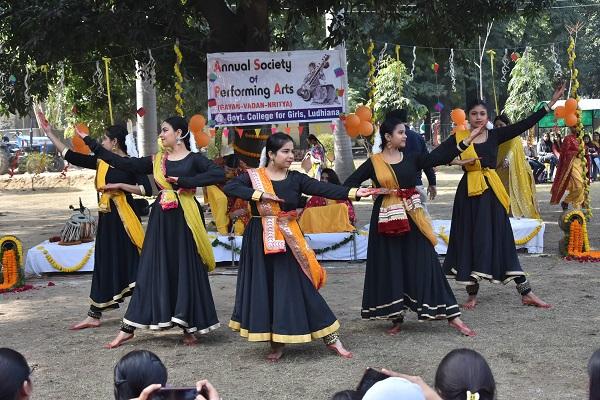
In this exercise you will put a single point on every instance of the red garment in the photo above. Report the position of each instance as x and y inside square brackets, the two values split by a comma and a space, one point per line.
[568, 151]
[317, 201]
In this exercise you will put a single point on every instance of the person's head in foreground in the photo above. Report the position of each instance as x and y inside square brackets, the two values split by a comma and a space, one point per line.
[594, 374]
[135, 371]
[465, 374]
[15, 383]
[394, 388]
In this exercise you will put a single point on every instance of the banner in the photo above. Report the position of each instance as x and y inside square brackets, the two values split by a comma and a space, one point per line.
[267, 88]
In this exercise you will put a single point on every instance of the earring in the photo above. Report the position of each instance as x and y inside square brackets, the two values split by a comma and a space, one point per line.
[179, 140]
[114, 148]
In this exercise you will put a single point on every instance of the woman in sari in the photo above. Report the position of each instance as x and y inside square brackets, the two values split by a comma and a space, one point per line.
[516, 175]
[569, 176]
[172, 285]
[481, 244]
[277, 297]
[403, 270]
[120, 234]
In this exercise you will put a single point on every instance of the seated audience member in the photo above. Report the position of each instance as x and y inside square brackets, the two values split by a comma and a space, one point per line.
[594, 374]
[537, 167]
[140, 373]
[327, 220]
[15, 383]
[545, 154]
[593, 157]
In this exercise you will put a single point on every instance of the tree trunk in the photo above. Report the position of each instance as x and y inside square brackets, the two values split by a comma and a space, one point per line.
[342, 146]
[147, 126]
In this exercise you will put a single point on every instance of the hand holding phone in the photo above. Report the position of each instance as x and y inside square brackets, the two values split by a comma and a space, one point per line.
[370, 377]
[183, 393]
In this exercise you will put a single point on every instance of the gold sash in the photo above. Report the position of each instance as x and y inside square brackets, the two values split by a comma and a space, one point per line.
[280, 228]
[169, 198]
[130, 220]
[476, 174]
[387, 179]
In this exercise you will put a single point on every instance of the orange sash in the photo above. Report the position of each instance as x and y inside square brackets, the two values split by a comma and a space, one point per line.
[281, 228]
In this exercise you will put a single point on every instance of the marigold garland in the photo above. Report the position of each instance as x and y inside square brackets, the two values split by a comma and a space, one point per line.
[243, 152]
[578, 247]
[11, 257]
[518, 242]
[179, 80]
[61, 268]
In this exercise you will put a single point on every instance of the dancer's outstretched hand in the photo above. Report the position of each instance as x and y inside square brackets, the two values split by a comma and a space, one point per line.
[271, 197]
[466, 161]
[110, 186]
[365, 192]
[558, 93]
[475, 133]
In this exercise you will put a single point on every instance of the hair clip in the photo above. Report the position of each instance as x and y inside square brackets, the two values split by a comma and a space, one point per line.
[472, 396]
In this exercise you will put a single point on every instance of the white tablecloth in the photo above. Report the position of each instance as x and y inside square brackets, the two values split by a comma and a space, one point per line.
[356, 249]
[67, 256]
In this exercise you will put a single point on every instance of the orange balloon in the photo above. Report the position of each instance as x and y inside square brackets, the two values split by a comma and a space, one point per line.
[78, 145]
[352, 120]
[364, 113]
[365, 128]
[458, 116]
[570, 105]
[352, 131]
[560, 112]
[202, 139]
[197, 123]
[571, 119]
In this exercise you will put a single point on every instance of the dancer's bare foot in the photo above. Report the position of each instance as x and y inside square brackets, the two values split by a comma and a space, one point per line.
[189, 339]
[276, 352]
[463, 328]
[339, 348]
[395, 329]
[119, 340]
[88, 322]
[471, 303]
[531, 299]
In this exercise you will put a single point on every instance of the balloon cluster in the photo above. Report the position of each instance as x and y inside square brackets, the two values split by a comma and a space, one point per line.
[77, 143]
[568, 112]
[459, 118]
[196, 126]
[359, 122]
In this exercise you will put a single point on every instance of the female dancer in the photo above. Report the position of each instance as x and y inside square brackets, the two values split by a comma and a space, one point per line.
[172, 284]
[481, 242]
[403, 270]
[277, 296]
[120, 234]
[516, 175]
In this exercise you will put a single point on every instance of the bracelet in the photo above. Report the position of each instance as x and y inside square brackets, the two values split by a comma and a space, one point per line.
[547, 107]
[64, 152]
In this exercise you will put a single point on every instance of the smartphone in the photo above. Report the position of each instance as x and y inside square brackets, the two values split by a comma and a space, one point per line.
[185, 393]
[369, 378]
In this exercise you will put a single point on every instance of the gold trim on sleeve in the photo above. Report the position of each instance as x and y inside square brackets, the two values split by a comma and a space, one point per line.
[256, 195]
[352, 194]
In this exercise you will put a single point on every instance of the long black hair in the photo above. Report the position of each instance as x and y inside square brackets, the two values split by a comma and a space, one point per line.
[594, 374]
[178, 122]
[118, 132]
[135, 371]
[387, 126]
[477, 102]
[333, 177]
[276, 141]
[14, 371]
[464, 370]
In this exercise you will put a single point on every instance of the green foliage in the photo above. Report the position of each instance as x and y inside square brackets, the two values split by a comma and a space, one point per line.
[528, 85]
[327, 140]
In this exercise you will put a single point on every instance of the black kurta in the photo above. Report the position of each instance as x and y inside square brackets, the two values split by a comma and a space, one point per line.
[481, 243]
[172, 284]
[116, 258]
[274, 299]
[404, 271]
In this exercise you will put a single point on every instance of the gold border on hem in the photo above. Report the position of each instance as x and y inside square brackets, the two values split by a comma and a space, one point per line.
[115, 298]
[274, 337]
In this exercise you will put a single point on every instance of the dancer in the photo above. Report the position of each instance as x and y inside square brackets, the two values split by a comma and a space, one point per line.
[172, 284]
[403, 270]
[516, 175]
[120, 234]
[481, 242]
[569, 175]
[277, 296]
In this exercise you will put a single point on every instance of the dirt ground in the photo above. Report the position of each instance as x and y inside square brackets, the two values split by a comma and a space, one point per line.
[534, 354]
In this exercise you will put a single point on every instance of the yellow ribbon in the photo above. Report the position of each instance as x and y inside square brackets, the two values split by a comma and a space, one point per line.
[106, 63]
[190, 213]
[476, 174]
[130, 220]
[178, 81]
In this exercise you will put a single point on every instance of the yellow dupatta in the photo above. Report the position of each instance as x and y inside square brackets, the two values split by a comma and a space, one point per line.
[280, 228]
[170, 199]
[518, 179]
[409, 199]
[476, 174]
[130, 220]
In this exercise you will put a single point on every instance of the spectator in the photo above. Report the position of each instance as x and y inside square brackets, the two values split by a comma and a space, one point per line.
[395, 388]
[592, 151]
[556, 142]
[137, 370]
[347, 395]
[545, 154]
[594, 374]
[539, 170]
[15, 382]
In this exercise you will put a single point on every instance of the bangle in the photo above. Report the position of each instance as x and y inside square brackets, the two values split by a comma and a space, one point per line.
[64, 152]
[256, 195]
[547, 107]
[142, 190]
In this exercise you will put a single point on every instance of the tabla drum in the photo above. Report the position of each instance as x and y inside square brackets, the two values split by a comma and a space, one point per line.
[80, 227]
